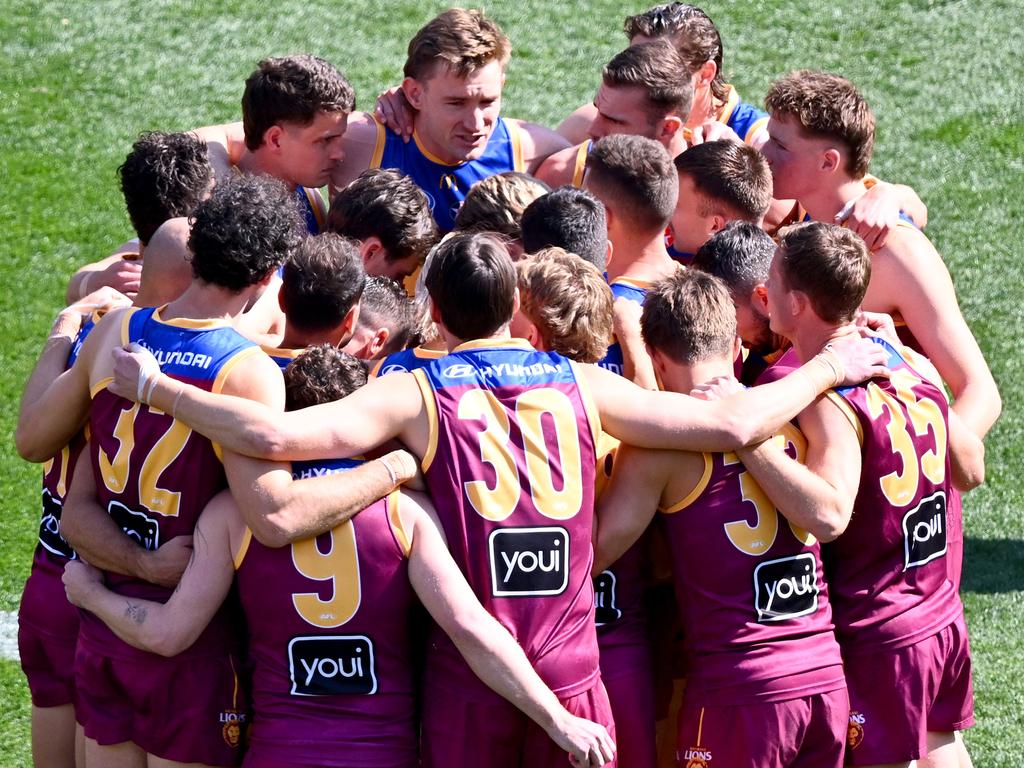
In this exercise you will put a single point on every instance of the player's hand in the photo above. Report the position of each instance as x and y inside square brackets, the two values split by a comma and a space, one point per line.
[405, 468]
[164, 565]
[394, 110]
[124, 275]
[713, 130]
[135, 372]
[79, 580]
[878, 323]
[102, 299]
[858, 359]
[873, 215]
[717, 388]
[587, 743]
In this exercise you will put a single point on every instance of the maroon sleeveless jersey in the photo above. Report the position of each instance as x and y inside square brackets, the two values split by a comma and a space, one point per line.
[510, 467]
[888, 570]
[757, 624]
[154, 475]
[328, 622]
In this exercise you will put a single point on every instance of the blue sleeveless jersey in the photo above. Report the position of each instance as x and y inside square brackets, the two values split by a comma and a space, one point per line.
[633, 290]
[282, 356]
[446, 185]
[406, 361]
[313, 209]
[745, 119]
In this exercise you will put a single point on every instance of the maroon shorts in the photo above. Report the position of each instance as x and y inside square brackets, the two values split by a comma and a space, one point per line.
[463, 733]
[806, 732]
[47, 635]
[897, 696]
[629, 680]
[189, 709]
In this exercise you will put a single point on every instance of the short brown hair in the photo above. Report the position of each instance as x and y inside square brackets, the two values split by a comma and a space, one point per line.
[496, 204]
[472, 282]
[322, 281]
[828, 106]
[728, 174]
[569, 302]
[634, 177]
[689, 317]
[659, 72]
[293, 89]
[321, 374]
[693, 33]
[463, 40]
[386, 204]
[828, 263]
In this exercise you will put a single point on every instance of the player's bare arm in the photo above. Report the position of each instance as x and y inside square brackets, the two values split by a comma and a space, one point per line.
[642, 482]
[910, 279]
[168, 628]
[386, 408]
[636, 363]
[680, 422]
[817, 495]
[359, 143]
[876, 213]
[490, 650]
[538, 143]
[55, 402]
[575, 127]
[559, 168]
[122, 271]
[87, 527]
[280, 509]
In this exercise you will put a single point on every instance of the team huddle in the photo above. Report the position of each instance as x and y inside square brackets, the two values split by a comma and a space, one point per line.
[430, 436]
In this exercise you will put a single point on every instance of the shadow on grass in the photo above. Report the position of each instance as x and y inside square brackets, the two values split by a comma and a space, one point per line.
[992, 566]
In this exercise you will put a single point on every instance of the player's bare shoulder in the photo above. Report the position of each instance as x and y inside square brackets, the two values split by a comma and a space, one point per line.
[363, 137]
[560, 168]
[537, 142]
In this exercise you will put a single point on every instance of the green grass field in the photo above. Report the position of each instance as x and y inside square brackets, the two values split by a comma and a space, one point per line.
[944, 79]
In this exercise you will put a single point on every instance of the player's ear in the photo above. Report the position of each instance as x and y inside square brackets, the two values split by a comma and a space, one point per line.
[377, 343]
[717, 224]
[272, 137]
[670, 126]
[737, 345]
[707, 73]
[831, 160]
[349, 322]
[516, 303]
[608, 255]
[759, 298]
[413, 90]
[372, 251]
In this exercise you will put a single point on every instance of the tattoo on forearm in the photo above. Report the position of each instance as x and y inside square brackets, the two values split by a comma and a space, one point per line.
[135, 612]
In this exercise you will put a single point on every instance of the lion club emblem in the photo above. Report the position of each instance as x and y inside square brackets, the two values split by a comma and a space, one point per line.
[231, 727]
[697, 757]
[855, 731]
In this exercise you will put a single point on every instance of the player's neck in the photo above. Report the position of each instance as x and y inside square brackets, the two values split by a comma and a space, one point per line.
[825, 202]
[439, 151]
[451, 341]
[202, 301]
[257, 163]
[814, 335]
[295, 338]
[683, 378]
[640, 258]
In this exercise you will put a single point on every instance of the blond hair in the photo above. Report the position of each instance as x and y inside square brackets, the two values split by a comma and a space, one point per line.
[569, 302]
[496, 204]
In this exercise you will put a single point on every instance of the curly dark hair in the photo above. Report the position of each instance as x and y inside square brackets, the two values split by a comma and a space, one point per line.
[322, 281]
[246, 229]
[163, 177]
[388, 205]
[292, 89]
[321, 374]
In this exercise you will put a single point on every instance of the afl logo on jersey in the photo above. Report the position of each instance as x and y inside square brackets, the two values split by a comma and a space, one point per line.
[855, 731]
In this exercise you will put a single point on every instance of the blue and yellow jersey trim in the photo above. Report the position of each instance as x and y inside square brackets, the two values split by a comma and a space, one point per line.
[516, 137]
[745, 119]
[430, 408]
[378, 147]
[243, 548]
[402, 538]
[579, 168]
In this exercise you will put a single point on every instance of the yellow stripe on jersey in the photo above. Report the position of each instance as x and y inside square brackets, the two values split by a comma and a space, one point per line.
[378, 147]
[693, 495]
[579, 168]
[394, 502]
[431, 408]
[243, 548]
[515, 134]
[848, 412]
